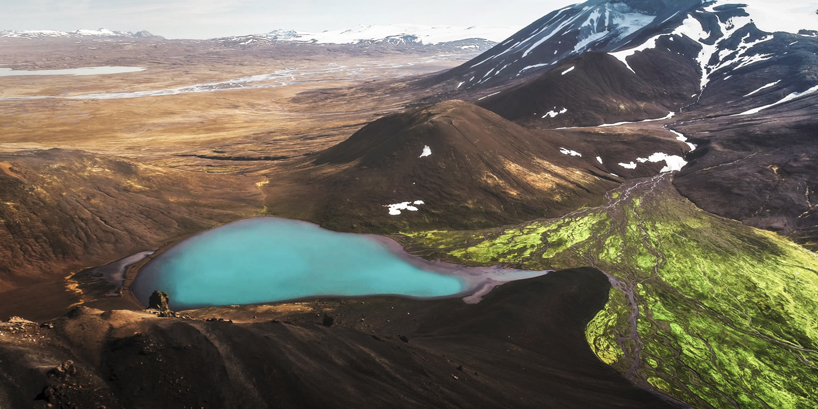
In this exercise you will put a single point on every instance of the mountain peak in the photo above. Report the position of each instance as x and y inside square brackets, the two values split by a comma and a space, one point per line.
[596, 25]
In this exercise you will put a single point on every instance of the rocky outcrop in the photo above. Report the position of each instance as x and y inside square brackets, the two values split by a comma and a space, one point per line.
[159, 301]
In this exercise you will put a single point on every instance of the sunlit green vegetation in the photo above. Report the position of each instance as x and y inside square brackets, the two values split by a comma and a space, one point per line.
[727, 314]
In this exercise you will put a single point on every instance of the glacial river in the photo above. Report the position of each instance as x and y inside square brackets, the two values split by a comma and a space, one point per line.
[269, 259]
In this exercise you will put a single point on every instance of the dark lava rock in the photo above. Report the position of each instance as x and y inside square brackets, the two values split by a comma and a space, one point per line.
[328, 321]
[159, 301]
[63, 370]
[404, 339]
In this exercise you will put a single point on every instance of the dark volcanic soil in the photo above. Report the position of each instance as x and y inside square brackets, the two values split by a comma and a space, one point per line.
[523, 346]
[758, 169]
[599, 89]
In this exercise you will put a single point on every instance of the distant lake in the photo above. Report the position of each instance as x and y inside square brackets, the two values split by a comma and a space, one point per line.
[8, 72]
[269, 259]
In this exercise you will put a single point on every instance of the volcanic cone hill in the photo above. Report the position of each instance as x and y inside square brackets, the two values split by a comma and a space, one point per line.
[453, 165]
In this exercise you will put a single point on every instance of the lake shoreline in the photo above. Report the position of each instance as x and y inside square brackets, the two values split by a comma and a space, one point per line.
[476, 281]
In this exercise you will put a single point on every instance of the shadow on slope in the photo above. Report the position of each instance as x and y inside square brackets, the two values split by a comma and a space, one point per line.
[523, 346]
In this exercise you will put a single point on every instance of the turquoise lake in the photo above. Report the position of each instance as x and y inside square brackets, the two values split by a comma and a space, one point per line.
[268, 259]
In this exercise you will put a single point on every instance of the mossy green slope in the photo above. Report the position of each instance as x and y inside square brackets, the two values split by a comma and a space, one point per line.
[704, 309]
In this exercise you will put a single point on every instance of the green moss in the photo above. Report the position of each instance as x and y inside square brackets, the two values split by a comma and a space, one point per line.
[571, 233]
[511, 245]
[601, 331]
[727, 313]
[659, 383]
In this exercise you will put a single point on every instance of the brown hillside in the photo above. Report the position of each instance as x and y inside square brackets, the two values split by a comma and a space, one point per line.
[483, 170]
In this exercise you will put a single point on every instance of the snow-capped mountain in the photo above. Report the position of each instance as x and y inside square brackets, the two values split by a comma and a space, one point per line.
[102, 32]
[420, 34]
[740, 62]
[735, 80]
[708, 56]
[607, 26]
[394, 34]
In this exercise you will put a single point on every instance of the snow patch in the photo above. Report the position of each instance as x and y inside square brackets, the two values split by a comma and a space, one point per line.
[554, 113]
[553, 32]
[620, 18]
[772, 84]
[395, 209]
[673, 163]
[668, 116]
[599, 159]
[531, 67]
[681, 137]
[623, 55]
[489, 95]
[790, 16]
[570, 152]
[788, 98]
[427, 151]
[568, 70]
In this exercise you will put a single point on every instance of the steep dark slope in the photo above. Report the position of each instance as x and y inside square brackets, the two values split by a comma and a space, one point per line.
[623, 150]
[469, 167]
[760, 169]
[596, 88]
[523, 346]
[756, 122]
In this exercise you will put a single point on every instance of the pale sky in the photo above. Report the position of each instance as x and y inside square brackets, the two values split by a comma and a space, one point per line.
[220, 18]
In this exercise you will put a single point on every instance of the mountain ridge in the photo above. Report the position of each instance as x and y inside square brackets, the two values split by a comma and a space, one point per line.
[101, 32]
[609, 26]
